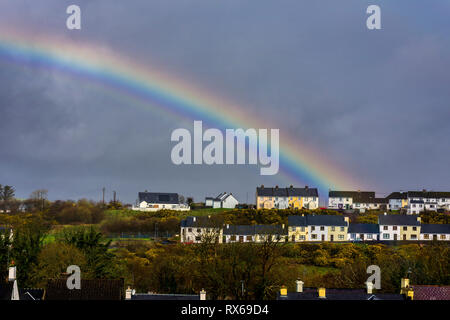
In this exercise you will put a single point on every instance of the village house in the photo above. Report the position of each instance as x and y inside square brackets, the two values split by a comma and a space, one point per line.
[363, 232]
[284, 198]
[223, 200]
[199, 229]
[424, 200]
[435, 232]
[254, 233]
[397, 200]
[154, 201]
[399, 227]
[345, 199]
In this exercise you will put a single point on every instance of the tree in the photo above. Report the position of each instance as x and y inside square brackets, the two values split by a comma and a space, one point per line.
[38, 199]
[5, 247]
[6, 197]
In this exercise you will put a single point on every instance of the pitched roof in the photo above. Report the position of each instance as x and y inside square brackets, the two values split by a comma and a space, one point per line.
[299, 221]
[398, 219]
[424, 292]
[428, 194]
[351, 194]
[287, 192]
[244, 230]
[151, 296]
[435, 228]
[339, 294]
[363, 228]
[158, 197]
[326, 220]
[95, 289]
[202, 222]
[397, 195]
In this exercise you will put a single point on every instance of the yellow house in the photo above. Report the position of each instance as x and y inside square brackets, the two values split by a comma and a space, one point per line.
[298, 229]
[284, 198]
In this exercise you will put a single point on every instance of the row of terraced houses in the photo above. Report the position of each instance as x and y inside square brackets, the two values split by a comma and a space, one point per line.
[315, 228]
[411, 202]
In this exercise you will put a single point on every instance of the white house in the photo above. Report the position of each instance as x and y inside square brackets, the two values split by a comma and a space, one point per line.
[223, 200]
[399, 227]
[435, 232]
[154, 201]
[199, 229]
[419, 201]
[363, 232]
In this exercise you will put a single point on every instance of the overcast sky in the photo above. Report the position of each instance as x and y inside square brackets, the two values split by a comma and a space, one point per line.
[375, 102]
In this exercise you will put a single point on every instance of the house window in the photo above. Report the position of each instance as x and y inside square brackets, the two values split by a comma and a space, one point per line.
[413, 237]
[233, 238]
[303, 229]
[353, 235]
[426, 236]
[198, 238]
[341, 237]
[394, 228]
[415, 228]
[405, 228]
[190, 230]
[314, 236]
[369, 236]
[249, 238]
[199, 230]
[322, 228]
[442, 236]
[385, 235]
[342, 229]
[332, 228]
[302, 237]
[313, 228]
[385, 227]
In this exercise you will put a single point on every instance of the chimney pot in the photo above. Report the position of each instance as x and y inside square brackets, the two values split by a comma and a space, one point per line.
[12, 273]
[128, 293]
[322, 293]
[299, 284]
[203, 294]
[369, 285]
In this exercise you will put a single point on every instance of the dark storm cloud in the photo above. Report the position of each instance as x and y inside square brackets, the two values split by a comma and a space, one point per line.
[375, 102]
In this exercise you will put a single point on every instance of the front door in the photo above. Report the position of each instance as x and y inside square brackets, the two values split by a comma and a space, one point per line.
[323, 237]
[395, 237]
[331, 237]
[404, 237]
[241, 238]
[434, 236]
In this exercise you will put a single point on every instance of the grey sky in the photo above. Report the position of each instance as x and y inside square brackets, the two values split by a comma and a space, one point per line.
[375, 102]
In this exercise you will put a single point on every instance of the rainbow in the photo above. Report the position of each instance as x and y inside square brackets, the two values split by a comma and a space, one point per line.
[158, 91]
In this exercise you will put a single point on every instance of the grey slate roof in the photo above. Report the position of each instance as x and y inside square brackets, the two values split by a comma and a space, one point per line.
[286, 192]
[428, 194]
[435, 228]
[351, 194]
[326, 220]
[149, 296]
[244, 230]
[297, 221]
[363, 228]
[397, 195]
[339, 294]
[398, 220]
[206, 222]
[158, 197]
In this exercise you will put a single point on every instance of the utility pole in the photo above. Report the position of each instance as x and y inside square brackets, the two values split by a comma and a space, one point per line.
[103, 198]
[114, 197]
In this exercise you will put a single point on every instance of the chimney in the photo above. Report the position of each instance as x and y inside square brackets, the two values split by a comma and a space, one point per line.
[12, 273]
[276, 187]
[322, 294]
[228, 226]
[128, 293]
[193, 219]
[369, 285]
[203, 294]
[283, 291]
[291, 186]
[405, 283]
[299, 287]
[306, 187]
